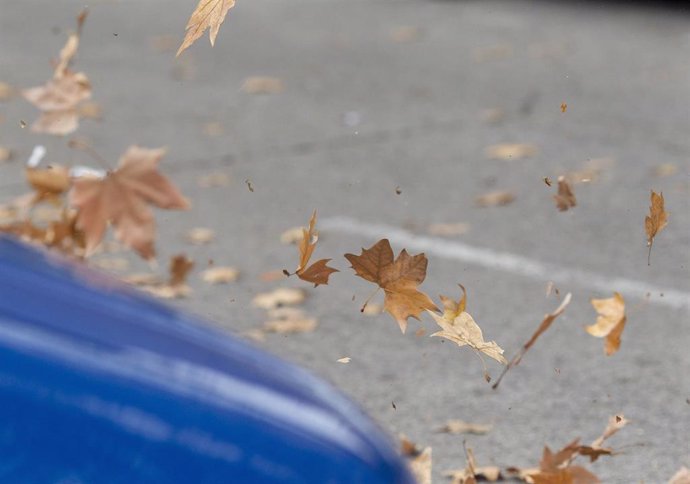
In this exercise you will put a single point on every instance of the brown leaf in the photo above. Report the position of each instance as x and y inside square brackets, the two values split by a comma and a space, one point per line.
[569, 475]
[655, 221]
[495, 199]
[49, 182]
[545, 324]
[122, 198]
[616, 422]
[279, 297]
[318, 272]
[208, 14]
[610, 322]
[262, 85]
[220, 275]
[565, 198]
[510, 151]
[462, 427]
[398, 278]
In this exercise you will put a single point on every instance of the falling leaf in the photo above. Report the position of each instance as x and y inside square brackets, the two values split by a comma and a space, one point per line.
[565, 198]
[462, 427]
[495, 199]
[291, 236]
[665, 169]
[208, 14]
[262, 85]
[681, 477]
[405, 34]
[220, 275]
[564, 107]
[398, 278]
[122, 197]
[449, 229]
[510, 151]
[545, 324]
[318, 272]
[655, 221]
[459, 327]
[418, 459]
[472, 473]
[5, 154]
[279, 297]
[610, 322]
[200, 235]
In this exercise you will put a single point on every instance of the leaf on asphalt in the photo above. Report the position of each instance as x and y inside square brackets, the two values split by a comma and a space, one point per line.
[545, 324]
[122, 198]
[291, 236]
[681, 477]
[496, 198]
[176, 287]
[565, 198]
[473, 473]
[208, 14]
[344, 360]
[455, 426]
[448, 229]
[200, 236]
[510, 151]
[459, 327]
[48, 183]
[655, 221]
[59, 98]
[262, 85]
[220, 275]
[398, 278]
[283, 296]
[318, 272]
[610, 322]
[418, 459]
[284, 320]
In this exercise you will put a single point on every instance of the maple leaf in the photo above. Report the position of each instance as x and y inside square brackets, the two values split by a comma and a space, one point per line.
[655, 221]
[565, 198]
[545, 324]
[398, 278]
[318, 272]
[208, 14]
[610, 321]
[459, 327]
[122, 198]
[59, 98]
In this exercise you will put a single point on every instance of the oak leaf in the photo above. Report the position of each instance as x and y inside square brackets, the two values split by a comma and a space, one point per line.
[459, 327]
[610, 321]
[318, 272]
[208, 14]
[398, 278]
[565, 198]
[122, 198]
[655, 221]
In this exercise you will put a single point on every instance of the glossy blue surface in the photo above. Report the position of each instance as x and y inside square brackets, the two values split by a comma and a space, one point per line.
[100, 384]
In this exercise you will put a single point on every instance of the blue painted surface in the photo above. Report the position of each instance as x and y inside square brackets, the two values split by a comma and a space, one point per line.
[100, 384]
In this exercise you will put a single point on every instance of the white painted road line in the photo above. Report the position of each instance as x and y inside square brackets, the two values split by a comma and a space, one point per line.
[507, 262]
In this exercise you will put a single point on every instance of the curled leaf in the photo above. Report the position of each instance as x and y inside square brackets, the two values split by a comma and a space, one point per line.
[610, 322]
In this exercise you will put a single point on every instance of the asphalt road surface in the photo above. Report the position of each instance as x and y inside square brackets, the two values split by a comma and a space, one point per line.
[387, 109]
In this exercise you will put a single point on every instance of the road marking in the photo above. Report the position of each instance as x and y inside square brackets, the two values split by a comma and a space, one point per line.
[507, 262]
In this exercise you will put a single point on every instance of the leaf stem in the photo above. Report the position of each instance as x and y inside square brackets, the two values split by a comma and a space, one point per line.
[364, 306]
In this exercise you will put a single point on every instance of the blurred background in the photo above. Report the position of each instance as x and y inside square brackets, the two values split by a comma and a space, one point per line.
[393, 118]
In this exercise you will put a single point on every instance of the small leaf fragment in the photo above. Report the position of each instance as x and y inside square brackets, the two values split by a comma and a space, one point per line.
[208, 14]
[655, 221]
[565, 198]
[610, 322]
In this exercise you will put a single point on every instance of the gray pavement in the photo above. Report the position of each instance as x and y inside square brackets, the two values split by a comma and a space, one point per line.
[621, 69]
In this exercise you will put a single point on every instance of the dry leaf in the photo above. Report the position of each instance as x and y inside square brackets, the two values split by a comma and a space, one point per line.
[200, 236]
[449, 229]
[495, 199]
[208, 14]
[279, 297]
[462, 427]
[262, 85]
[91, 110]
[469, 474]
[318, 272]
[143, 279]
[510, 151]
[344, 360]
[565, 198]
[220, 275]
[681, 477]
[545, 324]
[418, 459]
[398, 278]
[122, 199]
[655, 221]
[292, 236]
[610, 322]
[459, 327]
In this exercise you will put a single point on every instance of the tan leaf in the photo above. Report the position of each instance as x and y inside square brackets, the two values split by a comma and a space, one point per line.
[448, 229]
[610, 322]
[262, 85]
[220, 275]
[208, 14]
[616, 422]
[122, 198]
[681, 477]
[48, 182]
[143, 279]
[461, 427]
[510, 151]
[568, 475]
[318, 272]
[655, 221]
[459, 327]
[419, 460]
[398, 278]
[200, 236]
[545, 324]
[279, 297]
[90, 110]
[465, 476]
[344, 360]
[497, 198]
[565, 198]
